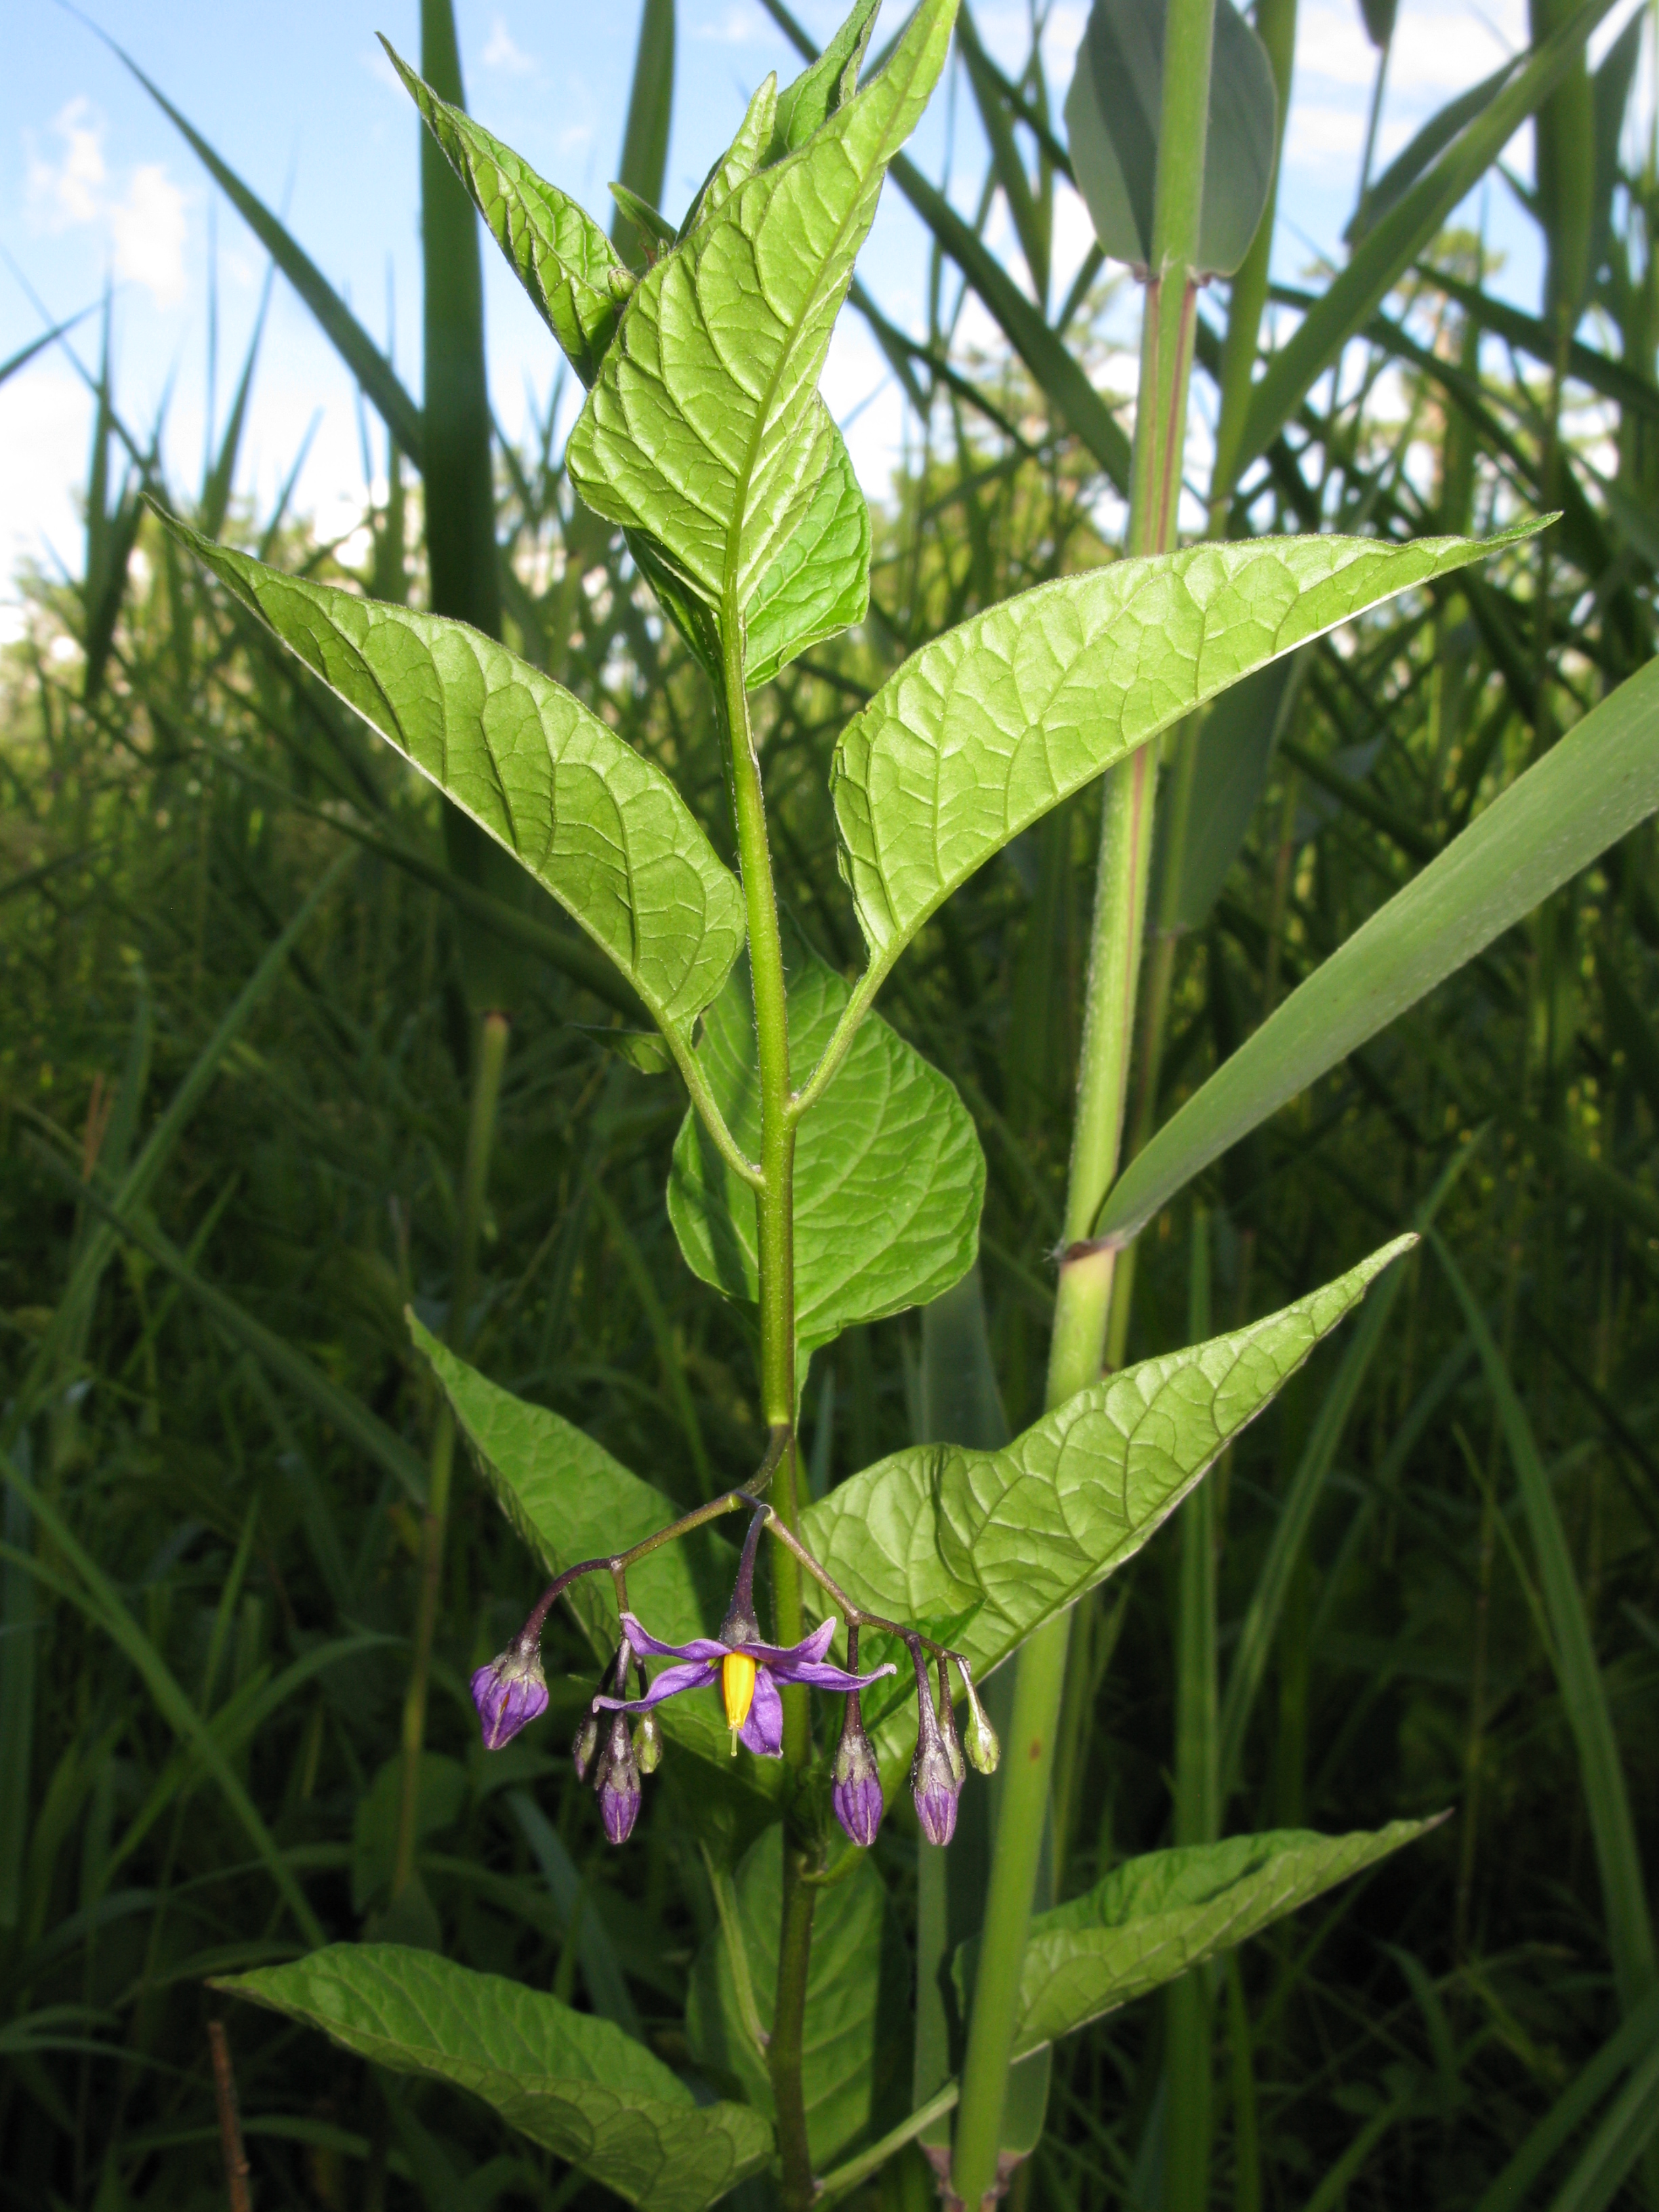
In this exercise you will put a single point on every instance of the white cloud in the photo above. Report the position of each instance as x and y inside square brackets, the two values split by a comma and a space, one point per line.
[736, 27]
[502, 51]
[147, 229]
[145, 223]
[68, 189]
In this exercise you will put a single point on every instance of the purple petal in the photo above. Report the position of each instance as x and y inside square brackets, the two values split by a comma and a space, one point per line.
[695, 1674]
[809, 1648]
[762, 1732]
[827, 1677]
[699, 1647]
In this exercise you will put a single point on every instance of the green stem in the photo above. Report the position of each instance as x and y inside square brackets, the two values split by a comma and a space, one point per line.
[1083, 1298]
[774, 1219]
[475, 1177]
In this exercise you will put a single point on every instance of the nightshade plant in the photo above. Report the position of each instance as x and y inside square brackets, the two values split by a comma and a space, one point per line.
[826, 1175]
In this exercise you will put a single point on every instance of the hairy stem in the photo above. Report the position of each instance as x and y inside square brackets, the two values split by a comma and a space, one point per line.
[1083, 1298]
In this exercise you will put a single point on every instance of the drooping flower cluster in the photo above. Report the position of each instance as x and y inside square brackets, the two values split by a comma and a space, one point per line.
[512, 1691]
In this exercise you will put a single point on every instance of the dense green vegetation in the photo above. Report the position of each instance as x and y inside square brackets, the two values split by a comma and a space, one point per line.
[242, 962]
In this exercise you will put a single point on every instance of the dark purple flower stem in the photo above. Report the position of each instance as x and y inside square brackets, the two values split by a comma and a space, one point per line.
[618, 1563]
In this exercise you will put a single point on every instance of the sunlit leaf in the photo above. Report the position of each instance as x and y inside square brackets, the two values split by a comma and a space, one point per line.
[555, 248]
[826, 84]
[570, 2082]
[705, 429]
[985, 728]
[998, 1542]
[602, 828]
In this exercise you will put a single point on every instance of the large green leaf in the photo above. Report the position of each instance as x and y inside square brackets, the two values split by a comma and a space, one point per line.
[705, 429]
[557, 252]
[569, 1500]
[985, 729]
[1112, 116]
[604, 830]
[1153, 1917]
[572, 2082]
[1586, 793]
[987, 1546]
[890, 1178]
[845, 2031]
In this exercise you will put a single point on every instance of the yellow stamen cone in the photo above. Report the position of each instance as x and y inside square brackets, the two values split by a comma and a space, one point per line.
[738, 1688]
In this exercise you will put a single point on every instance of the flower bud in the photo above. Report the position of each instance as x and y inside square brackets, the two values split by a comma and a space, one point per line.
[617, 1779]
[584, 1744]
[508, 1693]
[856, 1782]
[647, 1743]
[980, 1739]
[935, 1786]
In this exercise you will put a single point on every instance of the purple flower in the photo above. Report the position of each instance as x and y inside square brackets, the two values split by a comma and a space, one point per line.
[748, 1672]
[509, 1692]
[855, 1791]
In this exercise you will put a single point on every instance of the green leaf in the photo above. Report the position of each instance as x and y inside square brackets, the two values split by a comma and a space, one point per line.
[555, 249]
[1002, 1542]
[1112, 117]
[1400, 236]
[572, 2082]
[831, 82]
[603, 829]
[569, 1500]
[818, 584]
[845, 2030]
[890, 1178]
[741, 159]
[705, 429]
[1153, 1917]
[1587, 791]
[985, 728]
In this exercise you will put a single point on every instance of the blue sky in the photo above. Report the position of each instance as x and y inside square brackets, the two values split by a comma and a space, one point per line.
[95, 182]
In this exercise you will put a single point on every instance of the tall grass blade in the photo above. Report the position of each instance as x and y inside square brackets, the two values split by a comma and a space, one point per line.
[644, 139]
[1390, 247]
[375, 373]
[1585, 794]
[97, 1597]
[1618, 1856]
